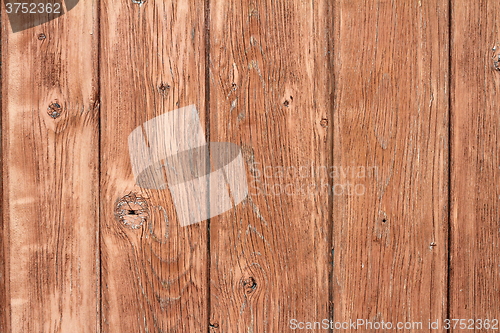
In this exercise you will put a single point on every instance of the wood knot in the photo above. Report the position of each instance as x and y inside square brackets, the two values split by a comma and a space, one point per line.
[496, 58]
[54, 110]
[214, 325]
[287, 102]
[132, 210]
[249, 285]
[41, 36]
[496, 63]
[324, 123]
[163, 87]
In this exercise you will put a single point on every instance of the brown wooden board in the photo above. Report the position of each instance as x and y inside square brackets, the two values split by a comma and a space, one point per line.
[154, 277]
[475, 174]
[50, 175]
[366, 133]
[391, 119]
[270, 91]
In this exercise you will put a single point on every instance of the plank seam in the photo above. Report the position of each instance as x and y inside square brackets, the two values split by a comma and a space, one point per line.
[450, 154]
[99, 169]
[206, 11]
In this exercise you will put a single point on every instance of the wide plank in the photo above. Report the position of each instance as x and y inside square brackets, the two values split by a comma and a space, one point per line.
[50, 280]
[270, 94]
[154, 270]
[391, 127]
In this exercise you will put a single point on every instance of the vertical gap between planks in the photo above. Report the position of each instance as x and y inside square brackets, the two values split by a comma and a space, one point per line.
[207, 134]
[6, 317]
[3, 280]
[331, 201]
[99, 168]
[450, 151]
[4, 238]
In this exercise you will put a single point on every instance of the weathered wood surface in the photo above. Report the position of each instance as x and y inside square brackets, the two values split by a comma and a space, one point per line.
[474, 287]
[154, 278]
[270, 88]
[391, 117]
[50, 135]
[368, 131]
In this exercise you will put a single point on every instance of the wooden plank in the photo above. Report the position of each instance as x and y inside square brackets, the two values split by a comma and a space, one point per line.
[50, 174]
[154, 276]
[391, 119]
[475, 176]
[270, 91]
[4, 244]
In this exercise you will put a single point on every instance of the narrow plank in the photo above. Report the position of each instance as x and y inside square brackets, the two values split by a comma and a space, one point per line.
[4, 244]
[475, 192]
[50, 174]
[4, 289]
[154, 275]
[391, 119]
[270, 89]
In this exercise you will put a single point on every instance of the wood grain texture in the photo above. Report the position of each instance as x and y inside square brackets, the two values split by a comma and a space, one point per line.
[154, 278]
[270, 93]
[369, 131]
[391, 115]
[4, 227]
[475, 177]
[50, 183]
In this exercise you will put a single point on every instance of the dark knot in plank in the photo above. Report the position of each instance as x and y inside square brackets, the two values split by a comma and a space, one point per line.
[132, 210]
